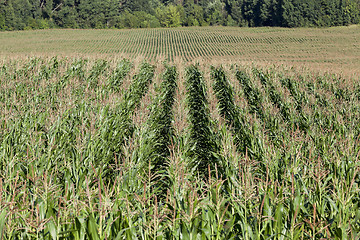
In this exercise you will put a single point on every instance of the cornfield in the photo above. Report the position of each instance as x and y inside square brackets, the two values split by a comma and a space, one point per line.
[107, 149]
[323, 48]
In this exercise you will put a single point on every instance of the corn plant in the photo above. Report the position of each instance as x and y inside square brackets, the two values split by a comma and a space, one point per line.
[97, 70]
[298, 96]
[274, 94]
[202, 149]
[256, 104]
[303, 120]
[116, 79]
[158, 134]
[74, 164]
[244, 137]
[252, 94]
[116, 126]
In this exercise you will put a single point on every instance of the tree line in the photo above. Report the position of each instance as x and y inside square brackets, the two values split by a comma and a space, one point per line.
[42, 14]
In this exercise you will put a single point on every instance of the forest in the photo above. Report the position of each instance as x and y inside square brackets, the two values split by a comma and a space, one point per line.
[43, 14]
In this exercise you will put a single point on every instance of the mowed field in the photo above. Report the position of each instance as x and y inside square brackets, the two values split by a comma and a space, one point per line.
[336, 49]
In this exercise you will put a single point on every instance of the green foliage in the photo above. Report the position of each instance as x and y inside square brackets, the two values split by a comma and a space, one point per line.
[97, 70]
[116, 127]
[300, 101]
[194, 14]
[252, 94]
[214, 13]
[275, 96]
[169, 16]
[159, 135]
[29, 14]
[244, 137]
[202, 147]
[73, 160]
[136, 20]
[116, 79]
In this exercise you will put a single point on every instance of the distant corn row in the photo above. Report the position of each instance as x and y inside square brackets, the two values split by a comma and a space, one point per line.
[193, 43]
[74, 164]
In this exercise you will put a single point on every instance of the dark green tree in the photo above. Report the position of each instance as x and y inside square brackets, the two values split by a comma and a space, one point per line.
[34, 14]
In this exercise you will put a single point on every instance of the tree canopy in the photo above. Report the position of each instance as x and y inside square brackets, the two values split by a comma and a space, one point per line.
[41, 14]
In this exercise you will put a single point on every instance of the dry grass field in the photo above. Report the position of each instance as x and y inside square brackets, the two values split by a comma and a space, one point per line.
[325, 49]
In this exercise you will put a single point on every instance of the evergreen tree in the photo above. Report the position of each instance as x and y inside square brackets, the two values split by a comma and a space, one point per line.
[32, 14]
